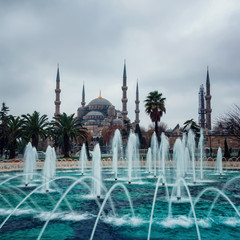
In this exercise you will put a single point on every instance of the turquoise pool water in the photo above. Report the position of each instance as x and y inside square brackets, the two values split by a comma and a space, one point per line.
[75, 218]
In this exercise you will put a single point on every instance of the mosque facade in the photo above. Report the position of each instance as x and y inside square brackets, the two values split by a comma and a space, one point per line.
[100, 113]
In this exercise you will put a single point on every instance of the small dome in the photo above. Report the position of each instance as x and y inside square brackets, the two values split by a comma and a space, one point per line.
[95, 113]
[100, 101]
[81, 109]
[117, 121]
[111, 107]
[91, 121]
[119, 114]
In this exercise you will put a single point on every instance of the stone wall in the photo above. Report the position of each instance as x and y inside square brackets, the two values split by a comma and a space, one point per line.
[209, 163]
[213, 141]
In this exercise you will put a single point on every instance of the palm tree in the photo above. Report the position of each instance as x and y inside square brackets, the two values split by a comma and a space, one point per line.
[14, 129]
[155, 107]
[35, 127]
[68, 129]
[191, 124]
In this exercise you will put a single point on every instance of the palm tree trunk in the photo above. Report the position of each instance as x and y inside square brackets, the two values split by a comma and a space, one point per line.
[12, 149]
[66, 145]
[34, 141]
[87, 148]
[156, 128]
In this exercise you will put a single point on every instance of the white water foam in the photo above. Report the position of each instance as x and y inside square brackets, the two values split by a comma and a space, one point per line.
[185, 222]
[205, 223]
[65, 216]
[18, 212]
[124, 220]
[182, 200]
[91, 196]
[181, 221]
[231, 221]
[43, 191]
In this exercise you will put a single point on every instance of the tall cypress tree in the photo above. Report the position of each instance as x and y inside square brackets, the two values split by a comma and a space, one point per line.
[3, 127]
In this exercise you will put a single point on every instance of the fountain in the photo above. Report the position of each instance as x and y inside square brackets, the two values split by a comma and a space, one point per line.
[187, 165]
[49, 168]
[200, 152]
[142, 210]
[219, 161]
[191, 146]
[164, 152]
[149, 161]
[133, 157]
[96, 171]
[154, 148]
[116, 151]
[178, 159]
[30, 157]
[83, 158]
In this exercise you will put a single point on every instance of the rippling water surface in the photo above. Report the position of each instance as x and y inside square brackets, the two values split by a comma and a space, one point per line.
[28, 220]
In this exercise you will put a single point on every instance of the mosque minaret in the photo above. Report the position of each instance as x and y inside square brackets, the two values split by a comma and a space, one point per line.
[57, 91]
[124, 94]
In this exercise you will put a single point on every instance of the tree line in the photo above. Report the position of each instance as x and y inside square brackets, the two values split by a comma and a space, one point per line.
[16, 131]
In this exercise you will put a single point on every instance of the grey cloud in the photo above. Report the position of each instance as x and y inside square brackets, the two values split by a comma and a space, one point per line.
[167, 46]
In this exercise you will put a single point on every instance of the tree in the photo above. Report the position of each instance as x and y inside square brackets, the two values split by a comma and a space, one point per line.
[142, 139]
[126, 130]
[162, 127]
[231, 121]
[68, 129]
[35, 127]
[14, 129]
[191, 124]
[226, 150]
[108, 132]
[87, 141]
[155, 107]
[3, 127]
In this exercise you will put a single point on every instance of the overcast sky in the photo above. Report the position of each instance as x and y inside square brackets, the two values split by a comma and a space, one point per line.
[167, 46]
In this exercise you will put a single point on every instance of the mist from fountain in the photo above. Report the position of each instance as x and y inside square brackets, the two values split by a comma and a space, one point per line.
[219, 161]
[83, 158]
[30, 158]
[187, 165]
[149, 161]
[184, 140]
[96, 171]
[201, 152]
[154, 147]
[164, 154]
[178, 159]
[49, 168]
[191, 147]
[133, 157]
[116, 151]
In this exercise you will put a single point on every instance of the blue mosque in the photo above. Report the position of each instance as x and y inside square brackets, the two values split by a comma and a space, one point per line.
[100, 113]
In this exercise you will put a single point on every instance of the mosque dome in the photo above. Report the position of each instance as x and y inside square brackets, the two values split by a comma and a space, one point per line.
[94, 114]
[99, 102]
